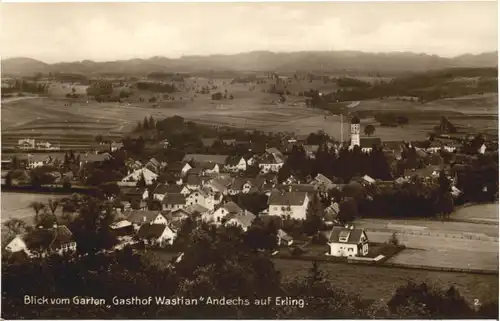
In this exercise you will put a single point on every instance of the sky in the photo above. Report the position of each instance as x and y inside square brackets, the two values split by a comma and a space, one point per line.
[55, 32]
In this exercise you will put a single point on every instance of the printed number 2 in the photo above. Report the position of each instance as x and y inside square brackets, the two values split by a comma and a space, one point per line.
[476, 302]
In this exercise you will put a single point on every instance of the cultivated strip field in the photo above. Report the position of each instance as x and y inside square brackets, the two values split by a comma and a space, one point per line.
[18, 204]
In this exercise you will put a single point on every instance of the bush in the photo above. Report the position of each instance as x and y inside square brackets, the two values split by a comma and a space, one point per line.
[394, 239]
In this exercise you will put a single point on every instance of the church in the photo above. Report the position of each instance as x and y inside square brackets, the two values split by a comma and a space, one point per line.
[365, 143]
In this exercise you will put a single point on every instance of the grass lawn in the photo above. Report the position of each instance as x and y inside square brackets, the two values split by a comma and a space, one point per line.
[480, 212]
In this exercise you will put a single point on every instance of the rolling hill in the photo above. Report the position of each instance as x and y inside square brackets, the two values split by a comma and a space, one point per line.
[324, 61]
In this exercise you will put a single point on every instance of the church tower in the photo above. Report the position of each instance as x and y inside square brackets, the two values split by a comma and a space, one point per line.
[355, 129]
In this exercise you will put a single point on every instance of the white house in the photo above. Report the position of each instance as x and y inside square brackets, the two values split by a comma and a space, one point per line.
[221, 212]
[201, 197]
[347, 241]
[55, 240]
[26, 143]
[288, 204]
[271, 163]
[482, 149]
[134, 177]
[137, 218]
[156, 234]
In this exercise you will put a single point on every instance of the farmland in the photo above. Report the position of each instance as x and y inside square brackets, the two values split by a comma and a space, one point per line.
[75, 123]
[379, 283]
[487, 213]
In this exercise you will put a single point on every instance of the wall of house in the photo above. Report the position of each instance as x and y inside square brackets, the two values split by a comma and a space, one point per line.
[16, 245]
[343, 249]
[160, 219]
[295, 212]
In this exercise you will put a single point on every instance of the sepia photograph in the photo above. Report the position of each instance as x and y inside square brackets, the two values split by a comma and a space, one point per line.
[250, 160]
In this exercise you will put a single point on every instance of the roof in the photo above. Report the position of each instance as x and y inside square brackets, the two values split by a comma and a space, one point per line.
[195, 171]
[355, 120]
[233, 160]
[311, 148]
[273, 150]
[50, 238]
[287, 198]
[232, 207]
[196, 208]
[163, 189]
[322, 179]
[306, 188]
[204, 165]
[368, 179]
[245, 218]
[238, 183]
[150, 231]
[177, 166]
[138, 216]
[174, 199]
[201, 158]
[368, 142]
[154, 161]
[352, 236]
[283, 235]
[193, 180]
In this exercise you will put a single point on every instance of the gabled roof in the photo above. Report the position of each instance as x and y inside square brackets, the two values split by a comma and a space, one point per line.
[151, 231]
[368, 142]
[244, 218]
[194, 180]
[205, 165]
[45, 239]
[232, 207]
[196, 208]
[287, 198]
[238, 183]
[322, 179]
[351, 236]
[138, 216]
[162, 189]
[174, 199]
[233, 160]
[219, 159]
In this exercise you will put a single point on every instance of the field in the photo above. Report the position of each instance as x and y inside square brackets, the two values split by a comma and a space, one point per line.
[441, 244]
[17, 204]
[487, 213]
[379, 283]
[75, 123]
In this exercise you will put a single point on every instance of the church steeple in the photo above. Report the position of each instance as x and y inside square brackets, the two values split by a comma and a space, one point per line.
[355, 130]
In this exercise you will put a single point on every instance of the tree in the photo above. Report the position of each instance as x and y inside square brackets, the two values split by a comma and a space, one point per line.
[314, 216]
[99, 139]
[348, 210]
[53, 205]
[145, 123]
[369, 130]
[37, 207]
[15, 226]
[151, 123]
[141, 183]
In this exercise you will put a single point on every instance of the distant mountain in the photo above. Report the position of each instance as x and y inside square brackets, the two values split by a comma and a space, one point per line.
[23, 66]
[326, 61]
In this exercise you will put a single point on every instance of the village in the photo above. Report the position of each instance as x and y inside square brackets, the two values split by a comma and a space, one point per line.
[281, 185]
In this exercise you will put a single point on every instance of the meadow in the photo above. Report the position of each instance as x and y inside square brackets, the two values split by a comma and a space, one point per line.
[74, 123]
[18, 204]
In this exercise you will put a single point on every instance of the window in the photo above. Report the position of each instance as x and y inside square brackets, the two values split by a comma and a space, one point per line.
[350, 250]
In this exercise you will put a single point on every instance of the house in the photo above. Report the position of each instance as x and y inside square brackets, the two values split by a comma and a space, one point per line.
[133, 165]
[236, 164]
[193, 182]
[202, 197]
[164, 143]
[311, 150]
[331, 213]
[206, 167]
[204, 158]
[221, 212]
[137, 218]
[94, 158]
[155, 166]
[136, 176]
[366, 143]
[218, 185]
[172, 202]
[116, 146]
[347, 241]
[284, 238]
[26, 144]
[37, 160]
[290, 180]
[122, 228]
[196, 208]
[368, 180]
[274, 151]
[43, 241]
[243, 219]
[270, 163]
[156, 234]
[236, 186]
[229, 142]
[179, 169]
[288, 204]
[482, 149]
